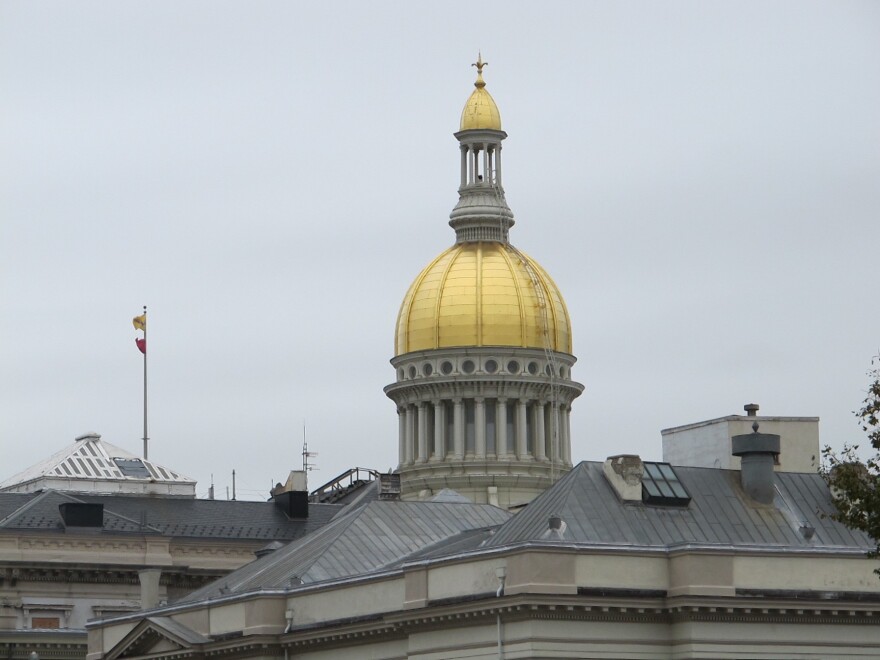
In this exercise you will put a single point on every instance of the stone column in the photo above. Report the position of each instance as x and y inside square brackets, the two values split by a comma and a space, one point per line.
[464, 165]
[557, 430]
[410, 435]
[501, 450]
[486, 173]
[538, 424]
[474, 162]
[401, 435]
[480, 424]
[458, 429]
[522, 421]
[498, 164]
[439, 432]
[423, 433]
[565, 434]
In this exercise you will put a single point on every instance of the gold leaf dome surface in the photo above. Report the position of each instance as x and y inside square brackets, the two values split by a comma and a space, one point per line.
[482, 294]
[480, 111]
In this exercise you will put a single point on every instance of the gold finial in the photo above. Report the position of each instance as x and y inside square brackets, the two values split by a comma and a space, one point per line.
[480, 64]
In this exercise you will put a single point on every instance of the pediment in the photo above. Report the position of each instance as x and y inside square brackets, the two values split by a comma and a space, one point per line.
[156, 636]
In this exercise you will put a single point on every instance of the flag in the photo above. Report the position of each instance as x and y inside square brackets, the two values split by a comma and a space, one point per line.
[140, 322]
[141, 344]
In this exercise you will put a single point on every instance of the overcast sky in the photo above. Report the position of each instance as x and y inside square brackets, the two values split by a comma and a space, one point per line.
[702, 180]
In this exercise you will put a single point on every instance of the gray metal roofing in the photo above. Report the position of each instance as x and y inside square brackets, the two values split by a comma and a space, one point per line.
[363, 540]
[168, 516]
[719, 513]
[177, 629]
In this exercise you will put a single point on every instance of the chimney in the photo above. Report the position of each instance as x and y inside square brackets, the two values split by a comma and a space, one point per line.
[389, 486]
[82, 514]
[624, 472]
[758, 452]
[293, 496]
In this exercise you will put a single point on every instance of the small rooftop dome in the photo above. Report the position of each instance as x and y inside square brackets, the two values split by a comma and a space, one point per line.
[480, 111]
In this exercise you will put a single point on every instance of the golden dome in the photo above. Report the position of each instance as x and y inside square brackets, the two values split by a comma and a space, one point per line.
[480, 110]
[482, 294]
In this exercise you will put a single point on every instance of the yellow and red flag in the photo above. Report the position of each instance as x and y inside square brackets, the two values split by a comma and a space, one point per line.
[140, 322]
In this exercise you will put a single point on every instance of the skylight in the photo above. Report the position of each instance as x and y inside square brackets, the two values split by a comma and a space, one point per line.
[132, 467]
[660, 485]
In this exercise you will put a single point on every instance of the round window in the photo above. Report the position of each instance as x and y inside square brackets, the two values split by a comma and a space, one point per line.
[446, 368]
[490, 366]
[427, 369]
[513, 367]
[412, 372]
[468, 366]
[533, 368]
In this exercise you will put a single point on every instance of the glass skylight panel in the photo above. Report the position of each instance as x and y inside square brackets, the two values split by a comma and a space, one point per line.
[132, 467]
[660, 485]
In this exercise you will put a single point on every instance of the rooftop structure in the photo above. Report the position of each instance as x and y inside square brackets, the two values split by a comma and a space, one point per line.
[91, 465]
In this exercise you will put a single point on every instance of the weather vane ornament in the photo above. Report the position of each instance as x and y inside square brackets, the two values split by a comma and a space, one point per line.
[480, 64]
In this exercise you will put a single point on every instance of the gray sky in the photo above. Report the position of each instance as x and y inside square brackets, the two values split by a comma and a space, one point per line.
[702, 180]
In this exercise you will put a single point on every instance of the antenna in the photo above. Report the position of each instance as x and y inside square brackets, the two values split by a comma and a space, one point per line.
[306, 454]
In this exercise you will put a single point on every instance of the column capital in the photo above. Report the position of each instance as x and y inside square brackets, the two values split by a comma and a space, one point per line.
[479, 399]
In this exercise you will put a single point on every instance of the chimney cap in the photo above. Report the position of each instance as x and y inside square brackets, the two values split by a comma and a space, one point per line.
[755, 443]
[751, 409]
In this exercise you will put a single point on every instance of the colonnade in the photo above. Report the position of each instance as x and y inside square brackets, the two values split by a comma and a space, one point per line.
[484, 428]
[481, 163]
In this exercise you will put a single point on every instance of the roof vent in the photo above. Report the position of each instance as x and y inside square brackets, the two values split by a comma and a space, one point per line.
[556, 527]
[758, 452]
[82, 514]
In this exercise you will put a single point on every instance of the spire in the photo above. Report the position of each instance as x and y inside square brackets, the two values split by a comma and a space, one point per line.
[482, 213]
[480, 83]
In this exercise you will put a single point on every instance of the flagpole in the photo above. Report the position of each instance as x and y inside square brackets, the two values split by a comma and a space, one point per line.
[146, 437]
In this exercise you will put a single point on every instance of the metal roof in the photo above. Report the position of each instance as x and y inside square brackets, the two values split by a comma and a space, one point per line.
[359, 541]
[719, 513]
[179, 517]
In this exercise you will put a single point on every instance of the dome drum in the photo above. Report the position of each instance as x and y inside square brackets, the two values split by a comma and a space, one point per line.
[487, 363]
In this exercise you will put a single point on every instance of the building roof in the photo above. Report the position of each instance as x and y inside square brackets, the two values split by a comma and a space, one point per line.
[362, 540]
[719, 513]
[166, 516]
[93, 465]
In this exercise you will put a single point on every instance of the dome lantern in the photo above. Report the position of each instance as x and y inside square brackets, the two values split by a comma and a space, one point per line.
[482, 213]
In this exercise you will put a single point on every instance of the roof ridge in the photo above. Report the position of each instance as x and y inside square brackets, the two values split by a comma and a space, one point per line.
[34, 501]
